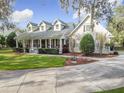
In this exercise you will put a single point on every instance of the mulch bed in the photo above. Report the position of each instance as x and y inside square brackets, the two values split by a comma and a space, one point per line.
[69, 61]
[92, 55]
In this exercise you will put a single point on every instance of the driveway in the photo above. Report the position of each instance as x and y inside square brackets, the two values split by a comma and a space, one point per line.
[102, 75]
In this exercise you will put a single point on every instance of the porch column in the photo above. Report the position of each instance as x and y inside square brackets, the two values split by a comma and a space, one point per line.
[54, 43]
[64, 41]
[17, 43]
[32, 44]
[50, 43]
[60, 46]
[40, 43]
[24, 46]
[45, 43]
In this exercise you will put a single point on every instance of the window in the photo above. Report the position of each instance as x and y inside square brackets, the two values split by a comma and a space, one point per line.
[29, 28]
[87, 27]
[42, 27]
[57, 26]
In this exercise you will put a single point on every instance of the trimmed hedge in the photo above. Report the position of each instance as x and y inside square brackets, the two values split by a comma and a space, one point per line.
[48, 51]
[87, 45]
[119, 48]
[21, 50]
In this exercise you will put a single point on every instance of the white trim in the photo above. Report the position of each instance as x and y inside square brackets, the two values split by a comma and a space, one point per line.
[50, 43]
[60, 46]
[40, 43]
[79, 24]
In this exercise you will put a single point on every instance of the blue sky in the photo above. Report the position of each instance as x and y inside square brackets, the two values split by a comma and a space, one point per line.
[47, 10]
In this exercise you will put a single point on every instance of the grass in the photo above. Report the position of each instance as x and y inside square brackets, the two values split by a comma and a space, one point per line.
[13, 61]
[119, 90]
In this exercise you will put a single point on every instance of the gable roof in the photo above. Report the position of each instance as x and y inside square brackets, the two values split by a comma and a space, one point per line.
[33, 24]
[45, 23]
[59, 21]
[85, 18]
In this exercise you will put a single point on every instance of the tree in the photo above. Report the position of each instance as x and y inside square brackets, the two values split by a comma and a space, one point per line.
[5, 9]
[99, 9]
[72, 45]
[11, 40]
[7, 26]
[101, 38]
[2, 40]
[116, 26]
[87, 44]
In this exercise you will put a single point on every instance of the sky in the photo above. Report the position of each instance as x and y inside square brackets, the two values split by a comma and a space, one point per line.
[38, 10]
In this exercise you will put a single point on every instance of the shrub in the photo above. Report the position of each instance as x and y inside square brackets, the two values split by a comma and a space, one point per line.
[116, 53]
[87, 44]
[2, 40]
[48, 51]
[19, 50]
[10, 40]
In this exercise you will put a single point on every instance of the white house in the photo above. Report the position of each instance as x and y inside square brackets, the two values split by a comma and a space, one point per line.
[59, 34]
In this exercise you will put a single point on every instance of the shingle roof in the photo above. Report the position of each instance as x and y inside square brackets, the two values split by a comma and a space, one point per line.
[59, 21]
[46, 22]
[33, 24]
[47, 34]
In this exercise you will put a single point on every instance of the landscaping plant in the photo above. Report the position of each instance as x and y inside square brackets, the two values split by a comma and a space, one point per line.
[11, 40]
[87, 45]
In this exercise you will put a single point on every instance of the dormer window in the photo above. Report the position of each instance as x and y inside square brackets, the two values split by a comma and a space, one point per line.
[42, 27]
[30, 28]
[57, 26]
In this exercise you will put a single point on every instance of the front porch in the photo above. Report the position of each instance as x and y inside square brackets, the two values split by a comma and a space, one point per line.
[34, 44]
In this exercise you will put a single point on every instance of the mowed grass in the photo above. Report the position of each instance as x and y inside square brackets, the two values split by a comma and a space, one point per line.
[13, 61]
[119, 90]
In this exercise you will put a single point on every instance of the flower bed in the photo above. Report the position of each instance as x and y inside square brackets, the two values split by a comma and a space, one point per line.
[78, 61]
[93, 55]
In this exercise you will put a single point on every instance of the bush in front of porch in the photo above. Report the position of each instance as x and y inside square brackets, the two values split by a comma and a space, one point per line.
[48, 51]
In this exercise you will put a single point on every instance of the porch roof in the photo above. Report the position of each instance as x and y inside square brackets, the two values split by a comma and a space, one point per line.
[49, 34]
[44, 35]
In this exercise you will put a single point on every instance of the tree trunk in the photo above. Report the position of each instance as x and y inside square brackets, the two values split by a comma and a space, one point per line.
[92, 16]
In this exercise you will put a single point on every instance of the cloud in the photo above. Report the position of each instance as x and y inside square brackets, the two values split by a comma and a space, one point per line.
[20, 16]
[75, 15]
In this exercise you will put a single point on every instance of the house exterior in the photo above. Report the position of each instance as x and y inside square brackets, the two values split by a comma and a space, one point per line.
[59, 34]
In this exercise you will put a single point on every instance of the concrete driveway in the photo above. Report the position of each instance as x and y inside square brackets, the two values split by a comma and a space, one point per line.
[102, 75]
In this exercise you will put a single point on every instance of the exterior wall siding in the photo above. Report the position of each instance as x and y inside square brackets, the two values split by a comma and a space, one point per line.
[78, 35]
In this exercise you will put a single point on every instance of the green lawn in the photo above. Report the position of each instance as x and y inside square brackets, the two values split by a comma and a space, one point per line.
[119, 90]
[12, 61]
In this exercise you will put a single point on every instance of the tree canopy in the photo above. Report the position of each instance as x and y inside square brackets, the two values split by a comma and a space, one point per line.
[99, 9]
[116, 26]
[5, 9]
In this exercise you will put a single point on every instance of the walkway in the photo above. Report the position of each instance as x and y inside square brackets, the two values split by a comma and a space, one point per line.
[101, 75]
